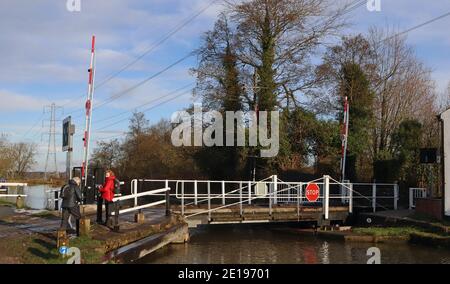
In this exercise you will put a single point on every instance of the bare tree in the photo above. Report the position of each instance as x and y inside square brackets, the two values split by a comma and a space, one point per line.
[277, 39]
[401, 84]
[22, 155]
[107, 154]
[6, 161]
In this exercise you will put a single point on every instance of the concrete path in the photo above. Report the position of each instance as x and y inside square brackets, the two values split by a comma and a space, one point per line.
[12, 222]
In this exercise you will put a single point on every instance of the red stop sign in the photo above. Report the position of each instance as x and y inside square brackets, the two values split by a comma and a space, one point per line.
[312, 192]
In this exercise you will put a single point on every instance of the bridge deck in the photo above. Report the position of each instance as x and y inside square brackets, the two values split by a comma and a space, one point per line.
[255, 213]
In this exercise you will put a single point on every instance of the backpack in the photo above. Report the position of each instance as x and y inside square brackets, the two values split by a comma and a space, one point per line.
[63, 191]
[116, 186]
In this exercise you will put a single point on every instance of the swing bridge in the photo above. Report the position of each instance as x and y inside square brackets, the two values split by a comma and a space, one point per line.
[264, 201]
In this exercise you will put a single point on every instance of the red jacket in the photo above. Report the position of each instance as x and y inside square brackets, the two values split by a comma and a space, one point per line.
[107, 190]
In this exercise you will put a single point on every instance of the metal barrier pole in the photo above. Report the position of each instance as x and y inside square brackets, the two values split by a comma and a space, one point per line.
[240, 199]
[136, 192]
[298, 201]
[182, 198]
[116, 216]
[327, 196]
[195, 193]
[374, 197]
[396, 194]
[249, 193]
[167, 199]
[209, 201]
[275, 189]
[223, 193]
[350, 201]
[270, 199]
[411, 198]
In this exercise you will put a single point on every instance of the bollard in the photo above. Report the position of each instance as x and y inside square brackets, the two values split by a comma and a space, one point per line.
[20, 204]
[85, 226]
[139, 218]
[61, 239]
[116, 216]
[56, 200]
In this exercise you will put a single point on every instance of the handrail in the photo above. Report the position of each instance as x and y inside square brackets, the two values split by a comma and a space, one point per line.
[374, 203]
[231, 192]
[147, 193]
[270, 194]
[275, 191]
[13, 184]
[135, 195]
[233, 204]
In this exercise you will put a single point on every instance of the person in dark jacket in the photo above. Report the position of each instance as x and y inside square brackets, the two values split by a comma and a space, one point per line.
[107, 196]
[71, 197]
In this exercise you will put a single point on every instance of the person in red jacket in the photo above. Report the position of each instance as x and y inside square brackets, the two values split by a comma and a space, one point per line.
[107, 196]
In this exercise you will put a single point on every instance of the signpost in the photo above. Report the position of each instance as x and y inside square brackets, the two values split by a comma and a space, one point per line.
[67, 144]
[312, 192]
[344, 136]
[445, 160]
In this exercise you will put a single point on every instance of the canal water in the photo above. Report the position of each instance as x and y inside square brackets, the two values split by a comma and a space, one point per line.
[38, 197]
[268, 244]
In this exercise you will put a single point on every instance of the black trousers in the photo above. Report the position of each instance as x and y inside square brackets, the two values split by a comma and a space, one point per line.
[75, 212]
[100, 202]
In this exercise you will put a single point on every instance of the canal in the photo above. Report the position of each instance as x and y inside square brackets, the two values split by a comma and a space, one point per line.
[268, 244]
[38, 197]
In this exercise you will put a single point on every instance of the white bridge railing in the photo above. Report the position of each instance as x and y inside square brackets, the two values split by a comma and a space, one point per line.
[135, 207]
[272, 191]
[5, 189]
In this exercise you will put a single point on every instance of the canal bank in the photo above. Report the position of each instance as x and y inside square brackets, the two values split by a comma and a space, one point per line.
[28, 237]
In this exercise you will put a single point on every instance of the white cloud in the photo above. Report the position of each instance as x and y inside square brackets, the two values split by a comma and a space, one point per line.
[11, 102]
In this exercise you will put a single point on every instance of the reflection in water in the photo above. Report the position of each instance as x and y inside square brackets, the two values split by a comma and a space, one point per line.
[324, 253]
[264, 244]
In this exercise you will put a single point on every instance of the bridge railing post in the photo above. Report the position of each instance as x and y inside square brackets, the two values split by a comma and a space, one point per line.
[326, 184]
[299, 196]
[270, 198]
[240, 199]
[209, 201]
[195, 193]
[249, 193]
[167, 199]
[275, 189]
[223, 193]
[350, 201]
[396, 194]
[182, 198]
[411, 198]
[374, 197]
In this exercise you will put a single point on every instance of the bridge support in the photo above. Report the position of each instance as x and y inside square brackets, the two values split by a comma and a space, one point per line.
[350, 201]
[275, 189]
[326, 196]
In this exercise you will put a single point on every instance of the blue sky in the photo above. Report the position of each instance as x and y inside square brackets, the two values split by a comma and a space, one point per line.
[45, 56]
